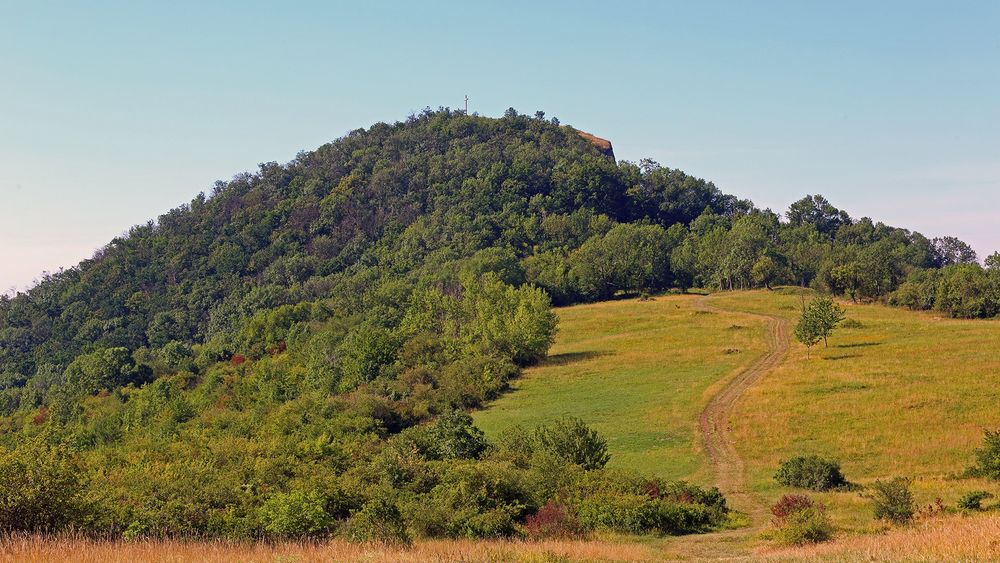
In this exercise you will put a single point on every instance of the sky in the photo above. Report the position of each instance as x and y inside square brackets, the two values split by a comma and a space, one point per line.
[113, 113]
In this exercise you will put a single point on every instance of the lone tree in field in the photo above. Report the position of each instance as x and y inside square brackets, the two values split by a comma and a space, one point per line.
[818, 320]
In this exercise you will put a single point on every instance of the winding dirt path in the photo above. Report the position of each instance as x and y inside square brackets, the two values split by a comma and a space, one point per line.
[727, 465]
[714, 422]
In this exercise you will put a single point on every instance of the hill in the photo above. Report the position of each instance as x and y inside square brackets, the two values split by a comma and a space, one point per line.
[295, 354]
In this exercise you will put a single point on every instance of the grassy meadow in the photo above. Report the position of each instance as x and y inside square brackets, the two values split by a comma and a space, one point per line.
[898, 393]
[639, 372]
[903, 394]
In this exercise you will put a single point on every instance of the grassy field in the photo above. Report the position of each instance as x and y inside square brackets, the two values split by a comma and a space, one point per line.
[900, 394]
[905, 394]
[637, 371]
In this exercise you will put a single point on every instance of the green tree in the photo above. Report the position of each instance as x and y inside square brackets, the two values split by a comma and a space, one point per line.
[107, 368]
[629, 258]
[296, 514]
[40, 488]
[570, 439]
[818, 320]
[456, 437]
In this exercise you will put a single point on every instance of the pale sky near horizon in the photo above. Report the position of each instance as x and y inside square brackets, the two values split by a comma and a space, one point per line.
[111, 113]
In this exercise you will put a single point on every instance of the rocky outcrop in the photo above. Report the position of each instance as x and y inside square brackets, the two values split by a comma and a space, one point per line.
[602, 145]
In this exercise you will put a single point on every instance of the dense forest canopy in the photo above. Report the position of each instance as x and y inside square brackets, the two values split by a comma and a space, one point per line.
[291, 354]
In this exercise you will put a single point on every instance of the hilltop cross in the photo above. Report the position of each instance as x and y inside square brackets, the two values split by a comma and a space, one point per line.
[466, 104]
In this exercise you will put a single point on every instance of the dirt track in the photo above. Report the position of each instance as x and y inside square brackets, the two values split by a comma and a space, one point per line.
[728, 467]
[714, 422]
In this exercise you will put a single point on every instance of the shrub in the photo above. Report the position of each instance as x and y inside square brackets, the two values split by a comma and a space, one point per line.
[296, 514]
[481, 499]
[456, 437]
[639, 514]
[572, 440]
[363, 353]
[553, 521]
[788, 505]
[973, 500]
[379, 520]
[807, 525]
[988, 456]
[892, 500]
[811, 472]
[39, 488]
[628, 513]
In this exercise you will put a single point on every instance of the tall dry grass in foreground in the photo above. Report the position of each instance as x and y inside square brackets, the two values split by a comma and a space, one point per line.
[974, 538]
[65, 549]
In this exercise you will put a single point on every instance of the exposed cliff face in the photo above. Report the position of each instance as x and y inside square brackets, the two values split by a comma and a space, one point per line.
[603, 145]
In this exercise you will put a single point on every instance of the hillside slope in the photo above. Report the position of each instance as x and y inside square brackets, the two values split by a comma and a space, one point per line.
[897, 393]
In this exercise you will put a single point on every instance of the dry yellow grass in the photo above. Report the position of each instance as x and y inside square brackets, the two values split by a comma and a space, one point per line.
[974, 538]
[906, 394]
[35, 548]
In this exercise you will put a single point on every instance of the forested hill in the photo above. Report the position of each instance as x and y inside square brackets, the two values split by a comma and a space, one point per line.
[412, 204]
[401, 203]
[291, 355]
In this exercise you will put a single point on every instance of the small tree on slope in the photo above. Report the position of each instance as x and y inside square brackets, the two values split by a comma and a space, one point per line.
[819, 319]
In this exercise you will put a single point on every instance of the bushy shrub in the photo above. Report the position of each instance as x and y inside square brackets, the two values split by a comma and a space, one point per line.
[481, 499]
[455, 437]
[379, 520]
[892, 500]
[553, 521]
[808, 525]
[799, 520]
[629, 513]
[811, 472]
[572, 440]
[973, 500]
[295, 514]
[988, 457]
[641, 514]
[39, 488]
[788, 505]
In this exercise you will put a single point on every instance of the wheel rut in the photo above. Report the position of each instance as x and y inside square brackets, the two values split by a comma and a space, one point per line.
[714, 421]
[728, 467]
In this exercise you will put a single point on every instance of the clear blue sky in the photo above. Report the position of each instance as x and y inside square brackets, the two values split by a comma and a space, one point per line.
[111, 113]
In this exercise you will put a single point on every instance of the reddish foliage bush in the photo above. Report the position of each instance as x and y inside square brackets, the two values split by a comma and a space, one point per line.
[552, 521]
[788, 505]
[238, 359]
[41, 417]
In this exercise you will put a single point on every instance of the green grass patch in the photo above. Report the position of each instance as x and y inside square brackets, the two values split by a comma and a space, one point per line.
[637, 371]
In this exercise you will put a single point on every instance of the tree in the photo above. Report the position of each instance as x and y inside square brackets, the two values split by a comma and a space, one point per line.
[764, 271]
[573, 441]
[40, 490]
[828, 314]
[818, 320]
[628, 258]
[806, 330]
[951, 250]
[993, 262]
[816, 210]
[456, 437]
[108, 368]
